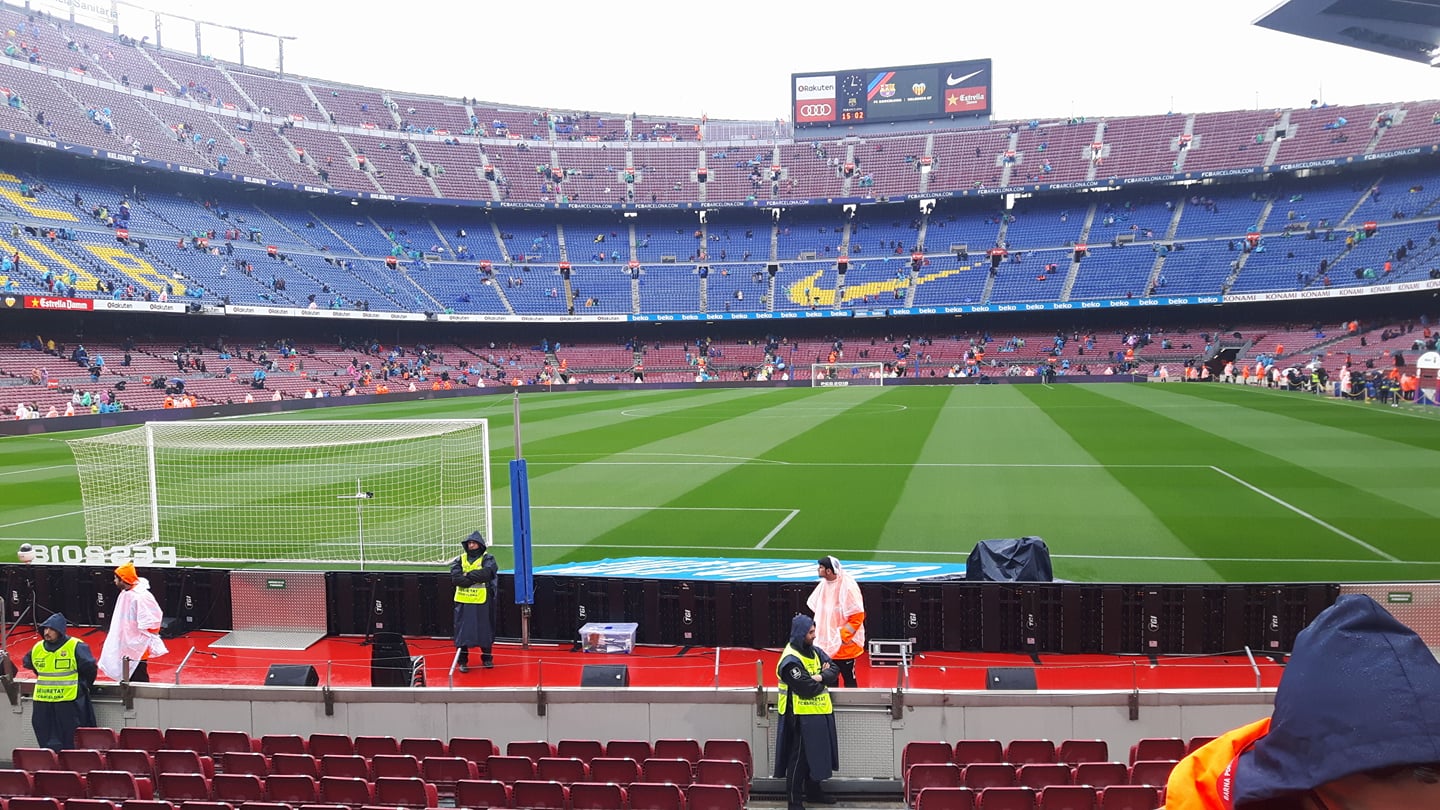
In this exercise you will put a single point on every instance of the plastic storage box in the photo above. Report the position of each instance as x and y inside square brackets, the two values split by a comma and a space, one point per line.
[616, 637]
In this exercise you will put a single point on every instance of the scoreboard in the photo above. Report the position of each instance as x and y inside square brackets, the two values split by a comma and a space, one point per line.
[908, 93]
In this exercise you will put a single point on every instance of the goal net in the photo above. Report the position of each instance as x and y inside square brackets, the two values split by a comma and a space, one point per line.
[343, 492]
[839, 375]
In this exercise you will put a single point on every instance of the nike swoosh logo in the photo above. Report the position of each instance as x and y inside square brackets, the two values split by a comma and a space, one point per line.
[855, 292]
[951, 81]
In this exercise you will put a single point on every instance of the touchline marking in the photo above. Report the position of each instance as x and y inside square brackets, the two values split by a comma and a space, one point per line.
[942, 464]
[707, 455]
[778, 527]
[1302, 513]
[659, 508]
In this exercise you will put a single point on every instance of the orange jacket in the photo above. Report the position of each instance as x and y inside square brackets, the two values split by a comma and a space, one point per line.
[1205, 780]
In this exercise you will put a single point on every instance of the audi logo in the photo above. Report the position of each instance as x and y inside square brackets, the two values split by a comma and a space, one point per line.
[816, 109]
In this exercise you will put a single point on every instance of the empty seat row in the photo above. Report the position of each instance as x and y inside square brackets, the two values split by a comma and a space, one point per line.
[217, 743]
[536, 795]
[982, 775]
[1059, 797]
[1026, 752]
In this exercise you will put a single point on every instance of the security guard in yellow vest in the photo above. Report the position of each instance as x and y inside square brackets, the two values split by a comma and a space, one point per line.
[807, 749]
[474, 575]
[64, 670]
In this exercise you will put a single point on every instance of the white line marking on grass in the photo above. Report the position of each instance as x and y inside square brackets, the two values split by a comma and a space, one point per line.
[41, 519]
[53, 539]
[907, 464]
[29, 470]
[778, 527]
[661, 508]
[708, 455]
[1302, 513]
[789, 411]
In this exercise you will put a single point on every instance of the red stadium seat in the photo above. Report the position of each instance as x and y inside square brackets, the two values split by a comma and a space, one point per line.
[927, 751]
[1028, 752]
[1067, 797]
[1078, 751]
[1037, 776]
[59, 785]
[398, 792]
[255, 806]
[119, 785]
[583, 750]
[1102, 774]
[1197, 743]
[982, 775]
[482, 793]
[565, 770]
[730, 772]
[245, 762]
[638, 750]
[1151, 772]
[674, 771]
[969, 751]
[101, 739]
[82, 760]
[320, 745]
[141, 738]
[423, 747]
[347, 765]
[188, 739]
[146, 804]
[597, 796]
[15, 782]
[345, 790]
[1129, 797]
[444, 772]
[618, 770]
[678, 748]
[183, 761]
[89, 804]
[1006, 798]
[133, 760]
[32, 803]
[292, 788]
[1157, 748]
[398, 766]
[272, 744]
[738, 750]
[714, 797]
[373, 746]
[534, 749]
[475, 749]
[930, 774]
[236, 788]
[534, 794]
[510, 769]
[35, 759]
[184, 787]
[653, 796]
[225, 742]
[945, 798]
[294, 765]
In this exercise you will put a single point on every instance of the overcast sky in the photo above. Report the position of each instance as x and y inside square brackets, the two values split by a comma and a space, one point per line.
[1051, 57]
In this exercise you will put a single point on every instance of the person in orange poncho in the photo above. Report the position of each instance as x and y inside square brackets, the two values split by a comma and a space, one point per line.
[839, 617]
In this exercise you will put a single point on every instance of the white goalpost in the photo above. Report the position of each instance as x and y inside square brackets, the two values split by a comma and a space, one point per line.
[397, 491]
[842, 374]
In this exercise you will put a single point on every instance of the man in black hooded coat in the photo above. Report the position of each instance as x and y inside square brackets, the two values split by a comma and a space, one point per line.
[474, 575]
[807, 749]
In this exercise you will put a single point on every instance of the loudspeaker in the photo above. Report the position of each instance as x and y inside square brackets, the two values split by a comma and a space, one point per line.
[390, 663]
[605, 675]
[173, 627]
[1010, 678]
[292, 675]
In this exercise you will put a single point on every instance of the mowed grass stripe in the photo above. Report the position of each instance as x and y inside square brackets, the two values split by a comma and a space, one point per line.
[1216, 520]
[1077, 510]
[723, 431]
[843, 508]
[1388, 470]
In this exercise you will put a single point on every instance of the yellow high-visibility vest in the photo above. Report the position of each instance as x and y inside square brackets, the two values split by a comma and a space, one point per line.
[57, 675]
[472, 594]
[820, 704]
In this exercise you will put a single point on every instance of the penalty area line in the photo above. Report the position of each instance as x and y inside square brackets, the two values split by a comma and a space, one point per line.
[764, 541]
[1302, 513]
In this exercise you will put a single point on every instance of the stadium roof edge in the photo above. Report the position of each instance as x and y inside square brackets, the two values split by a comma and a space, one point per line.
[1393, 28]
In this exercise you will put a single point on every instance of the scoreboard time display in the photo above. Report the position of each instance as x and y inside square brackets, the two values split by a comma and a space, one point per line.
[909, 93]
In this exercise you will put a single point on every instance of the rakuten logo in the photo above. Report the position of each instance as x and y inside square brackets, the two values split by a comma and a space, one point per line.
[809, 88]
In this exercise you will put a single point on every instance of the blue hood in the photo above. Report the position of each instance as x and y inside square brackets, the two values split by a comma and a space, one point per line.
[1359, 693]
[799, 628]
[56, 622]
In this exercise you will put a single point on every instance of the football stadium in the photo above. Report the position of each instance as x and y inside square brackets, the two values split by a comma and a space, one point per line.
[1110, 422]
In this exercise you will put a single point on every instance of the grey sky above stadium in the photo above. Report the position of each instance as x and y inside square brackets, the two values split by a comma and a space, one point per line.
[1051, 58]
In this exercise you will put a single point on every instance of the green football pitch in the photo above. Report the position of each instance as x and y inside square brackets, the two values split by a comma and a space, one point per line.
[1125, 482]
